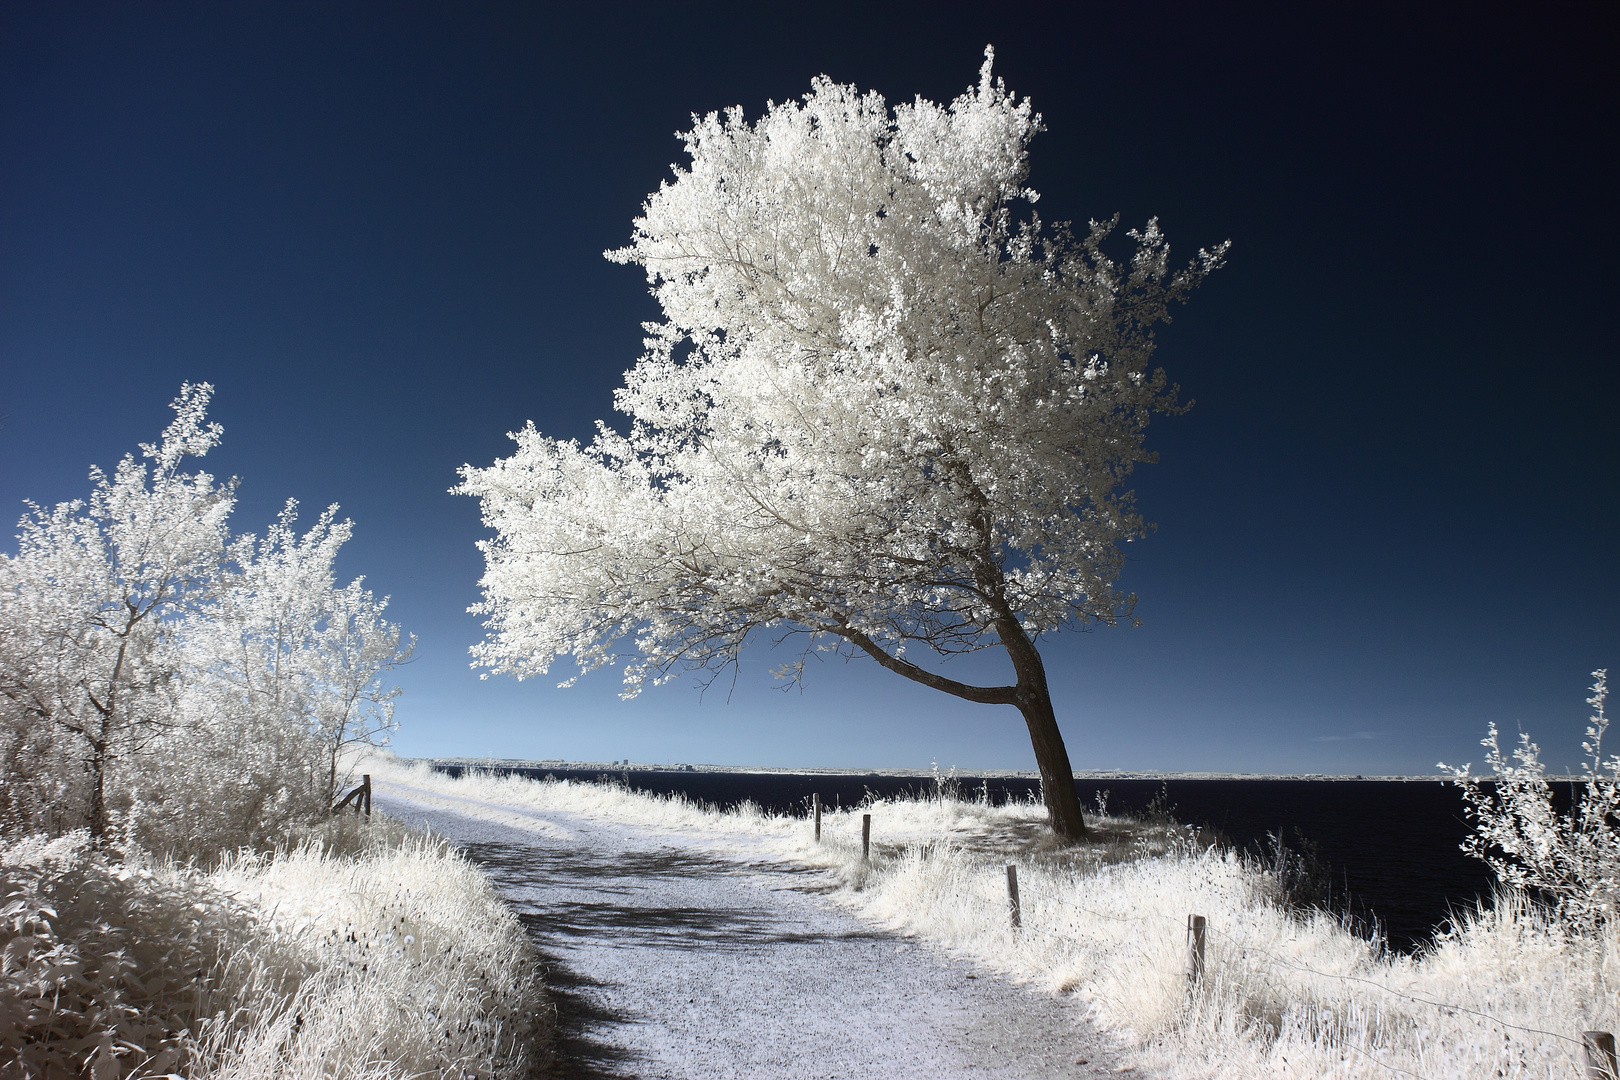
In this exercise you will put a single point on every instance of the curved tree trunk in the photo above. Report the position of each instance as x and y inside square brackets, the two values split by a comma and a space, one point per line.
[1052, 758]
[1031, 698]
[1034, 700]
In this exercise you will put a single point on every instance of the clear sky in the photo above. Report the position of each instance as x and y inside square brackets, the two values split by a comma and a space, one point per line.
[1389, 519]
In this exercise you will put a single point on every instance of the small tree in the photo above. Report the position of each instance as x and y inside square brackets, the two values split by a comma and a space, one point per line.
[1573, 859]
[95, 588]
[248, 657]
[157, 675]
[357, 648]
[879, 412]
[296, 662]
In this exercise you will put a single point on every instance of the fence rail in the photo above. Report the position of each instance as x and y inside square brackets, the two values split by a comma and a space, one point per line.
[360, 797]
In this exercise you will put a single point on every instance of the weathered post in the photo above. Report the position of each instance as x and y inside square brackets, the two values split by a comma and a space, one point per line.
[1012, 896]
[866, 837]
[815, 802]
[1598, 1049]
[1195, 949]
[360, 797]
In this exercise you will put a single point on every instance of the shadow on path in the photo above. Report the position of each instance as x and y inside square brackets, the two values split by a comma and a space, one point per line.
[668, 963]
[627, 913]
[623, 907]
[574, 1053]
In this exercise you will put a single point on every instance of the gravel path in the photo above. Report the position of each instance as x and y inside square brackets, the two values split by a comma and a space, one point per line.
[669, 961]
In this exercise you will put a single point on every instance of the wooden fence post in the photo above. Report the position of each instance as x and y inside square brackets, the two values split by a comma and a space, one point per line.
[1598, 1049]
[1012, 896]
[866, 837]
[360, 797]
[1195, 948]
[815, 801]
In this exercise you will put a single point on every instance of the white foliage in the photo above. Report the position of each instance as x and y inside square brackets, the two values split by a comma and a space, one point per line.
[163, 678]
[880, 408]
[369, 954]
[284, 645]
[407, 964]
[94, 589]
[1571, 859]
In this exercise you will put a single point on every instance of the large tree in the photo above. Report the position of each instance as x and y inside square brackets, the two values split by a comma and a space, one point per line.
[882, 410]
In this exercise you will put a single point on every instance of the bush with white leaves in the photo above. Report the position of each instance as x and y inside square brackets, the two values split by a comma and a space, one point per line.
[1570, 860]
[166, 683]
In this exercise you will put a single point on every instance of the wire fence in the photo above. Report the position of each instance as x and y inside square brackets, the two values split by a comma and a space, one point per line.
[1591, 1055]
[1443, 1007]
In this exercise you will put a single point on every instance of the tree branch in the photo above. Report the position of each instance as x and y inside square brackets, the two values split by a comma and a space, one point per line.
[984, 695]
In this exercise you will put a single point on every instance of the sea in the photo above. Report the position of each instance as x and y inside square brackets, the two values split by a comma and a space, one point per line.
[1389, 849]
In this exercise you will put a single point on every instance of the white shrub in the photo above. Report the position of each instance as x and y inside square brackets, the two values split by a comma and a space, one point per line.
[167, 684]
[1570, 859]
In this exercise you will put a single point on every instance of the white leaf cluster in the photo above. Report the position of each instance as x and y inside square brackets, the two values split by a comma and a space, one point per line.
[881, 408]
[161, 676]
[1571, 859]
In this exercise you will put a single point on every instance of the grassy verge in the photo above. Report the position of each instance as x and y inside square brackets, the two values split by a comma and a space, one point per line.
[363, 953]
[1287, 992]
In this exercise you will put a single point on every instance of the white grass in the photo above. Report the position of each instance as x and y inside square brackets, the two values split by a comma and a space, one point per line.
[1285, 994]
[413, 968]
[391, 959]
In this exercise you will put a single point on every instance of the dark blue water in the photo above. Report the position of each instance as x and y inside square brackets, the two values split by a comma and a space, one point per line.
[1390, 847]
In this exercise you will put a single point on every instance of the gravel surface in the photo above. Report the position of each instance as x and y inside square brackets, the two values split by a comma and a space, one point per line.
[669, 960]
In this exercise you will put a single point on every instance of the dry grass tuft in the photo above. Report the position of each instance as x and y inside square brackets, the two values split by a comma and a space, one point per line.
[363, 956]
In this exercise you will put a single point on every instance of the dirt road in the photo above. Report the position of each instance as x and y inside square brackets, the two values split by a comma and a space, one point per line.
[671, 961]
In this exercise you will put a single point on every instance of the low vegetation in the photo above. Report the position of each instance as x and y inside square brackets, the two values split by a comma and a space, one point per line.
[177, 704]
[364, 952]
[1287, 990]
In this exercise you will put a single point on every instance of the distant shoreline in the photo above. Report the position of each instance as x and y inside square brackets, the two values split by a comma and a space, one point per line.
[927, 773]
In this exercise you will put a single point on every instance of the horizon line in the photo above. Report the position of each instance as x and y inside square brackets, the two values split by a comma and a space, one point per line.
[930, 773]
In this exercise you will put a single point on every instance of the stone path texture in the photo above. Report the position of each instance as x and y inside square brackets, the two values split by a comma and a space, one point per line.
[669, 961]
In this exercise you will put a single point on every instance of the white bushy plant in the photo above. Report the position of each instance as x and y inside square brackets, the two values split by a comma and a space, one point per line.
[284, 641]
[93, 593]
[107, 964]
[296, 663]
[371, 957]
[173, 686]
[1570, 859]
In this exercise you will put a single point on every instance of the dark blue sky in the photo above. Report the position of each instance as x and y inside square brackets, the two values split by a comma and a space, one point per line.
[1389, 519]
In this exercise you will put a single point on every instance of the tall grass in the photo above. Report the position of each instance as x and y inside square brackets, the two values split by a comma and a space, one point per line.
[383, 955]
[1287, 992]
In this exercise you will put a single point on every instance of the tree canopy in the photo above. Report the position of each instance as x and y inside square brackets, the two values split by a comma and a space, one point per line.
[882, 410]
